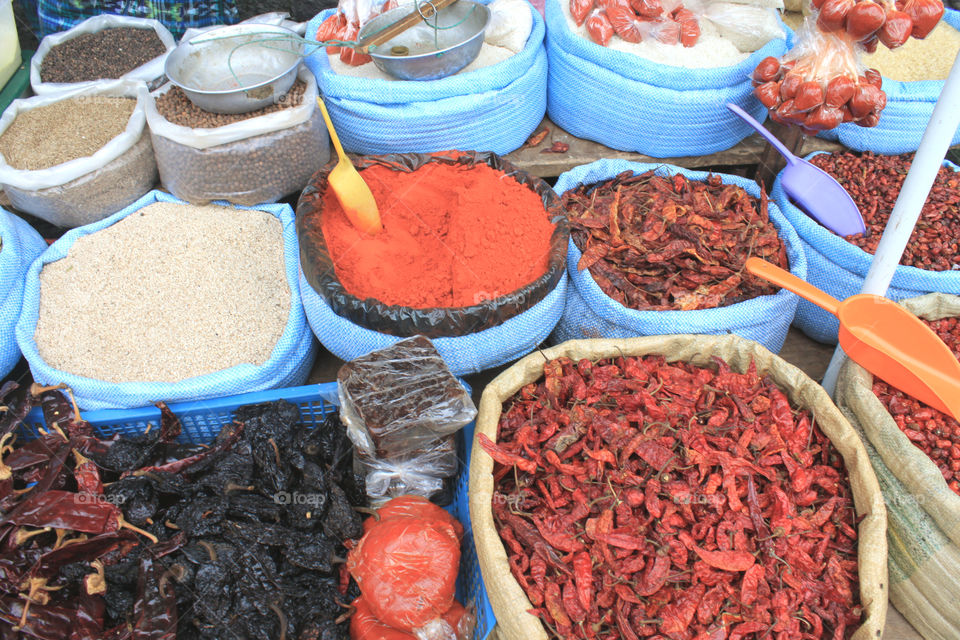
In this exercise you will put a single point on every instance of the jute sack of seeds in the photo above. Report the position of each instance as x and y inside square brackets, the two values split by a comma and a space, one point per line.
[923, 514]
[509, 602]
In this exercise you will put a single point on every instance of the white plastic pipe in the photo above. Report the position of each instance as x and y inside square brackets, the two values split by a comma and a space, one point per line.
[916, 187]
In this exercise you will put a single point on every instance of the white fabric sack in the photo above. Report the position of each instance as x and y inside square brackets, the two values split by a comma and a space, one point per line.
[510, 24]
[67, 171]
[146, 72]
[200, 138]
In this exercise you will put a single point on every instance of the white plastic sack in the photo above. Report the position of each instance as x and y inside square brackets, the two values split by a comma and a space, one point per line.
[62, 173]
[748, 27]
[274, 18]
[205, 138]
[510, 24]
[147, 72]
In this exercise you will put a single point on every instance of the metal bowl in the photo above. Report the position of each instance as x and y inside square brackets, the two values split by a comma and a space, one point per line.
[424, 53]
[236, 69]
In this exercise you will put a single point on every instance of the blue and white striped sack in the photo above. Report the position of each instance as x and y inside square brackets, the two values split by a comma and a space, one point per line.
[633, 104]
[288, 365]
[464, 355]
[491, 109]
[21, 244]
[839, 268]
[590, 313]
[904, 119]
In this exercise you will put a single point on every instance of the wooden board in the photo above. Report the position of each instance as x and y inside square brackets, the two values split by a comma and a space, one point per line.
[550, 165]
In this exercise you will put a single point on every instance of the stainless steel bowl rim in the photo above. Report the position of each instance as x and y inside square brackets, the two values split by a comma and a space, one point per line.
[430, 54]
[277, 29]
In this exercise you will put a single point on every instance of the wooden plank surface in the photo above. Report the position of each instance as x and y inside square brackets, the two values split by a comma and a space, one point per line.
[548, 165]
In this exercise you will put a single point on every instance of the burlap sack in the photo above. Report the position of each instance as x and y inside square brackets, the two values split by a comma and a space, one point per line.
[923, 514]
[510, 604]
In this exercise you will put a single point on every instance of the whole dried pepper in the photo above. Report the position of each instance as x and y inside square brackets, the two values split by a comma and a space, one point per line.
[654, 242]
[726, 514]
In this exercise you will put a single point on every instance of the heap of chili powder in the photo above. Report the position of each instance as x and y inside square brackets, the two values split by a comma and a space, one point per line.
[637, 497]
[655, 243]
[874, 182]
[934, 432]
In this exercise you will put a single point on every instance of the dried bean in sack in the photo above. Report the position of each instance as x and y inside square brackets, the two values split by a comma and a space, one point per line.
[495, 108]
[630, 103]
[81, 190]
[130, 378]
[838, 266]
[20, 244]
[694, 270]
[632, 483]
[254, 160]
[101, 47]
[912, 450]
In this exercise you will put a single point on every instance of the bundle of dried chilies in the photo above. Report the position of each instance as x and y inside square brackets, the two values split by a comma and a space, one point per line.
[142, 537]
[638, 498]
[661, 243]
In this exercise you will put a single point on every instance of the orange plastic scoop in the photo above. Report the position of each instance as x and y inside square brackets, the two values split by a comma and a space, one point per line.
[353, 193]
[885, 339]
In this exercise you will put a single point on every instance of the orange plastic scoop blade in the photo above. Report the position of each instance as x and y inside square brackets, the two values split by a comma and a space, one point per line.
[353, 193]
[885, 339]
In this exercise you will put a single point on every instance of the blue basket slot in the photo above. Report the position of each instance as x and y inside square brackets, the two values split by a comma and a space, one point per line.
[203, 419]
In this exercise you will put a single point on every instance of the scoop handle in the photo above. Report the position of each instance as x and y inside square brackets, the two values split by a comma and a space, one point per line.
[334, 138]
[785, 279]
[769, 137]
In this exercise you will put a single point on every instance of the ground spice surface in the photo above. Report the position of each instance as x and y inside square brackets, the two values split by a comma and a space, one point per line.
[452, 236]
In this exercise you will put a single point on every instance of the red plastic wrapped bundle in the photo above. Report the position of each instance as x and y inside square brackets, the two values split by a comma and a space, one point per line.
[890, 22]
[345, 25]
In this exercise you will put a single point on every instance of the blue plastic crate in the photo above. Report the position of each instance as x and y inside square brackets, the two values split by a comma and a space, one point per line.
[202, 421]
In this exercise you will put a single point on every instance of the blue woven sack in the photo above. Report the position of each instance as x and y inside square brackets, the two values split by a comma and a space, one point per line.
[491, 109]
[288, 365]
[903, 120]
[632, 104]
[590, 313]
[839, 268]
[464, 355]
[21, 244]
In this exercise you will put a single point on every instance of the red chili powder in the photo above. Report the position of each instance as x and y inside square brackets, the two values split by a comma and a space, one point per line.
[452, 236]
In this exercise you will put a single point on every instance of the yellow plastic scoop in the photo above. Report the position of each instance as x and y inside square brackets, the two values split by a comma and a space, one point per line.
[885, 339]
[353, 193]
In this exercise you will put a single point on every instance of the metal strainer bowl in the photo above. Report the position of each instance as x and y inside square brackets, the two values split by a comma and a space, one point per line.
[236, 69]
[425, 53]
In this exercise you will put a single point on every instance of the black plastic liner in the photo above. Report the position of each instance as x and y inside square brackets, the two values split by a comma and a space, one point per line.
[431, 322]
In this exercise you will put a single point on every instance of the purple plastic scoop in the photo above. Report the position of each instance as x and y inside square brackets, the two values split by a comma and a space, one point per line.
[811, 188]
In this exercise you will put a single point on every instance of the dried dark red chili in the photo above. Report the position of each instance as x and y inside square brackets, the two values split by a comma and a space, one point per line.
[671, 243]
[935, 433]
[874, 182]
[684, 502]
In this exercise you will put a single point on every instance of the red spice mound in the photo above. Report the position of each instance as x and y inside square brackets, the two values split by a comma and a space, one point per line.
[453, 236]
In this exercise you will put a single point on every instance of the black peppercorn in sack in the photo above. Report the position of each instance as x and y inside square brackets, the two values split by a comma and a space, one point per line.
[245, 159]
[101, 51]
[75, 157]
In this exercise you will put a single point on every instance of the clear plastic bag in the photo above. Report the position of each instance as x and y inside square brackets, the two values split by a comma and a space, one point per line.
[419, 473]
[820, 83]
[150, 72]
[510, 24]
[747, 27]
[890, 22]
[401, 399]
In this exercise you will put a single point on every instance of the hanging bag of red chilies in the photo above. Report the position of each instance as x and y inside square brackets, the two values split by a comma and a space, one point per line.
[915, 451]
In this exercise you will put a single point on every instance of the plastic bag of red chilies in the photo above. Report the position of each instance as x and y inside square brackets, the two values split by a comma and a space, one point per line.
[365, 626]
[885, 21]
[406, 567]
[345, 25]
[665, 21]
[820, 83]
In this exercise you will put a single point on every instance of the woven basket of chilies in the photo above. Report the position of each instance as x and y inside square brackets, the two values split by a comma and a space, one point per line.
[581, 435]
[914, 450]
